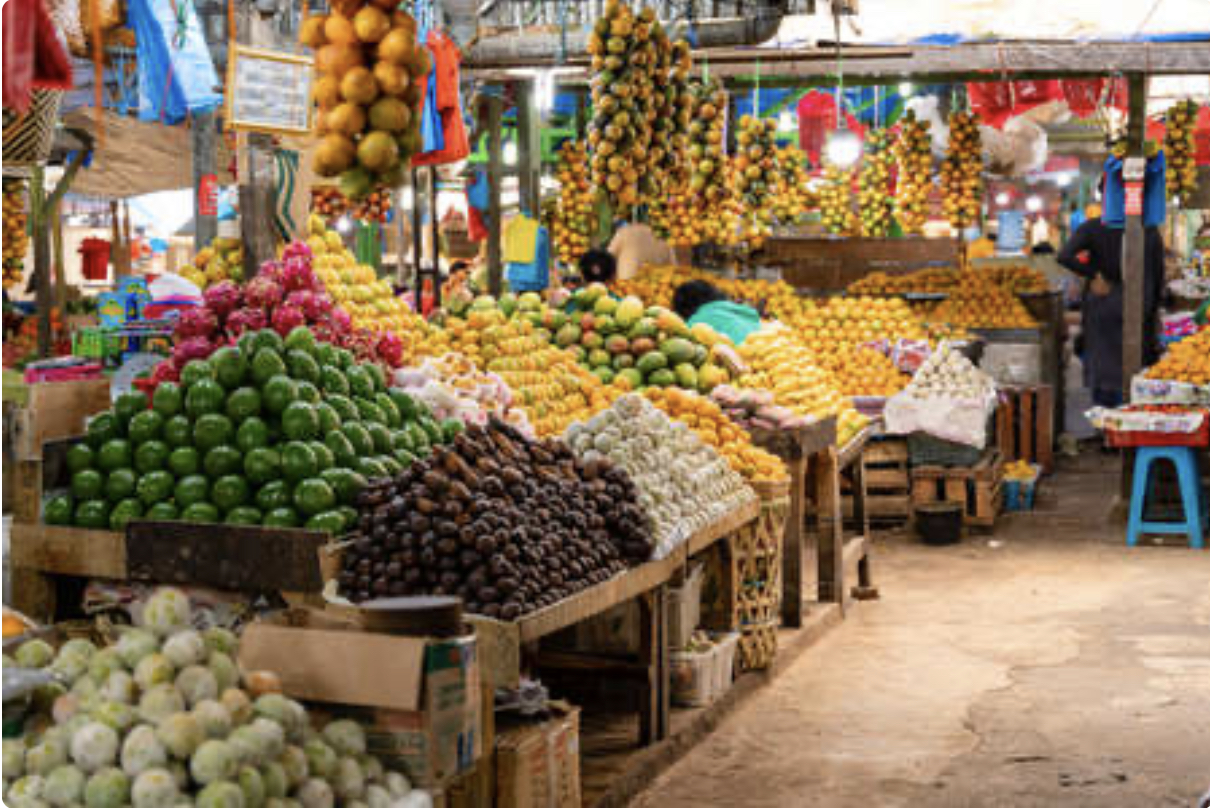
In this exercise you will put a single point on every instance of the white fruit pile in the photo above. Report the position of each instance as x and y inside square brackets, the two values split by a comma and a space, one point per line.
[684, 485]
[949, 374]
[160, 719]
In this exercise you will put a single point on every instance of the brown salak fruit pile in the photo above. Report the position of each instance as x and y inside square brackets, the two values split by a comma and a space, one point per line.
[506, 523]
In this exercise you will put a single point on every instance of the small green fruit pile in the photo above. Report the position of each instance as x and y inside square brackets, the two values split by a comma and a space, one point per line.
[269, 431]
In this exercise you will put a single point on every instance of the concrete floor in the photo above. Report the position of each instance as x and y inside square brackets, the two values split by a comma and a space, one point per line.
[1045, 665]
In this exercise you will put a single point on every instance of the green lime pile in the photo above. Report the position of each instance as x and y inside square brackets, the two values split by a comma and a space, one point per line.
[267, 432]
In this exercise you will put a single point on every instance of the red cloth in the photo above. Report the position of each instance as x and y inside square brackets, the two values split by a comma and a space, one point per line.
[816, 119]
[476, 224]
[33, 56]
[997, 101]
[1083, 95]
[446, 58]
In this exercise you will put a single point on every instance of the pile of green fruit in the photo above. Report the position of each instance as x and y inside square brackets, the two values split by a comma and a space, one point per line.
[271, 431]
[623, 343]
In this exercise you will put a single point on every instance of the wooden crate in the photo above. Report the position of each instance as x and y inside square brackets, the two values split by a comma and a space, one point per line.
[888, 483]
[56, 411]
[978, 488]
[1025, 424]
[743, 585]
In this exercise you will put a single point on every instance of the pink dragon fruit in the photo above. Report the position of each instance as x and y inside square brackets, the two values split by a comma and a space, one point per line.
[246, 319]
[198, 321]
[223, 298]
[297, 249]
[297, 275]
[165, 372]
[317, 306]
[341, 322]
[300, 298]
[192, 348]
[390, 349]
[262, 292]
[286, 318]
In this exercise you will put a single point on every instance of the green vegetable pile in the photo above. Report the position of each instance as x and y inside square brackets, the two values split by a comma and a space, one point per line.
[266, 432]
[159, 719]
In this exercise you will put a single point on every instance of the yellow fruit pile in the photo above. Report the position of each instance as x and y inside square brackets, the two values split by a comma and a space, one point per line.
[1016, 278]
[845, 322]
[356, 288]
[914, 157]
[222, 260]
[782, 364]
[836, 202]
[573, 222]
[1180, 123]
[986, 305]
[370, 82]
[865, 372]
[628, 52]
[962, 171]
[795, 198]
[874, 199]
[731, 441]
[1186, 361]
[546, 381]
[1020, 470]
[15, 239]
[756, 177]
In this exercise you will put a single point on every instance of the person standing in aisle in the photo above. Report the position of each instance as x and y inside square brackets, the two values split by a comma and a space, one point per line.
[1094, 252]
[635, 245]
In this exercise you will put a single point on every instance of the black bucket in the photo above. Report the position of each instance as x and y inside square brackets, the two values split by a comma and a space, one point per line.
[939, 523]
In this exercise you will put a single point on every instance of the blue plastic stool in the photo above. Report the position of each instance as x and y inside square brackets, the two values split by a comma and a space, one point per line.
[1184, 459]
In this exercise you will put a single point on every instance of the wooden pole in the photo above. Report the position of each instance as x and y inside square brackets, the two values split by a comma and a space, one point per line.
[436, 231]
[56, 225]
[204, 134]
[417, 235]
[495, 176]
[256, 206]
[529, 150]
[42, 269]
[1133, 263]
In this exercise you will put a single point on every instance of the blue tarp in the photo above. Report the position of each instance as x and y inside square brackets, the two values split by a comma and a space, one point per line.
[176, 73]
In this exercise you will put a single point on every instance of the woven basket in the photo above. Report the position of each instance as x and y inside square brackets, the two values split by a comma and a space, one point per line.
[28, 138]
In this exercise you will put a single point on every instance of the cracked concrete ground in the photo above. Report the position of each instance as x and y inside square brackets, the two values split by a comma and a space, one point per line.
[1047, 666]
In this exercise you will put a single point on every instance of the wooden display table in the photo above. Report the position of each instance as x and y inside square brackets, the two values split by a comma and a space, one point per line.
[505, 648]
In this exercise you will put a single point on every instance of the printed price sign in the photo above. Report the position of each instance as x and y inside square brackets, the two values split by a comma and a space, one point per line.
[268, 91]
[207, 195]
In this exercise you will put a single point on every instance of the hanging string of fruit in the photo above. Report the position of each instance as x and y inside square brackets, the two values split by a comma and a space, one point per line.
[369, 88]
[914, 160]
[962, 171]
[626, 56]
[572, 220]
[797, 198]
[1179, 124]
[874, 198]
[836, 201]
[16, 241]
[676, 104]
[331, 204]
[756, 178]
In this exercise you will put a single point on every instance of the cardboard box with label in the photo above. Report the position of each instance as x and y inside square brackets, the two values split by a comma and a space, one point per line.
[418, 698]
[538, 765]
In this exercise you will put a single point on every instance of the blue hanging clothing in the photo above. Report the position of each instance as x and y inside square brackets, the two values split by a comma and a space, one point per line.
[176, 74]
[533, 276]
[1155, 203]
[430, 118]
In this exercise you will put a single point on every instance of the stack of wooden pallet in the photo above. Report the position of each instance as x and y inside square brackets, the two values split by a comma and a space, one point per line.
[888, 483]
[1025, 425]
[977, 488]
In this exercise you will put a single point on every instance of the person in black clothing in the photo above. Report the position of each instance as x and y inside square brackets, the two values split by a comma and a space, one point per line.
[598, 266]
[1094, 252]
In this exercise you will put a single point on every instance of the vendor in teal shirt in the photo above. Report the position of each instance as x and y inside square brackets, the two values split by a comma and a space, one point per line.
[703, 302]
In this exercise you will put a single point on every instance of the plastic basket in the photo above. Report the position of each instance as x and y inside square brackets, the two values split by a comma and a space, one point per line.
[926, 450]
[96, 343]
[1122, 439]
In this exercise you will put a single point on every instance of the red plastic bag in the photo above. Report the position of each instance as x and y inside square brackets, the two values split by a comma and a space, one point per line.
[33, 55]
[1083, 95]
[997, 101]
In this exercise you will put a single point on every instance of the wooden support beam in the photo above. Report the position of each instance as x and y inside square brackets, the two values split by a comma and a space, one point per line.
[1133, 253]
[495, 178]
[529, 148]
[256, 205]
[203, 135]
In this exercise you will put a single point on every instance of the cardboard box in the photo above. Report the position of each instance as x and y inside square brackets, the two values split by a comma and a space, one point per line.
[538, 765]
[419, 698]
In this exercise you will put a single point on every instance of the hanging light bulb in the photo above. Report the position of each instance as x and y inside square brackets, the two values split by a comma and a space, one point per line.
[843, 148]
[344, 224]
[906, 89]
[1003, 198]
[510, 153]
[1033, 204]
[785, 121]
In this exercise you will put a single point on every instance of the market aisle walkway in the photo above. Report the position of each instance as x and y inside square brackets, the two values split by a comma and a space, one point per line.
[1051, 667]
